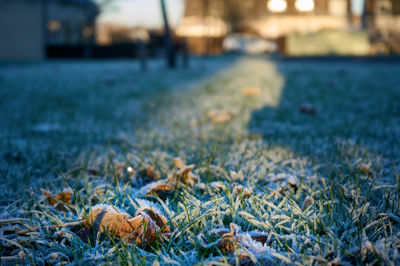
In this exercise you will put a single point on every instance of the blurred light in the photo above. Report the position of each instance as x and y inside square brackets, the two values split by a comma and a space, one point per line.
[53, 25]
[277, 5]
[87, 32]
[305, 5]
[197, 27]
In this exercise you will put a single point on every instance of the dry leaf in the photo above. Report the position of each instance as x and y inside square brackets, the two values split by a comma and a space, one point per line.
[229, 241]
[239, 190]
[308, 201]
[160, 220]
[150, 172]
[166, 186]
[160, 188]
[93, 171]
[220, 116]
[185, 172]
[307, 108]
[366, 169]
[140, 229]
[178, 163]
[251, 91]
[58, 201]
[21, 255]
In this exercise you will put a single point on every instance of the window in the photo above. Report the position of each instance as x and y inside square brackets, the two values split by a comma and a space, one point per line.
[384, 7]
[53, 26]
[305, 5]
[277, 5]
[87, 32]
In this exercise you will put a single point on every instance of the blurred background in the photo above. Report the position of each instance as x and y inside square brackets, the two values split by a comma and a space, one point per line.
[41, 29]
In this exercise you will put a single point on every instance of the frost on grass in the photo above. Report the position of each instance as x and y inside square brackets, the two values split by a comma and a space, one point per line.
[303, 189]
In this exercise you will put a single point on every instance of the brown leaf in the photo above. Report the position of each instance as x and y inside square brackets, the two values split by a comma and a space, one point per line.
[307, 108]
[235, 231]
[139, 229]
[167, 186]
[229, 241]
[93, 171]
[251, 91]
[179, 163]
[366, 169]
[220, 116]
[105, 219]
[308, 201]
[160, 220]
[240, 190]
[152, 173]
[160, 188]
[21, 255]
[58, 201]
[185, 173]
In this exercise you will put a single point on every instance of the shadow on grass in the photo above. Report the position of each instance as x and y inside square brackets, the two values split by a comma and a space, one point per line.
[328, 108]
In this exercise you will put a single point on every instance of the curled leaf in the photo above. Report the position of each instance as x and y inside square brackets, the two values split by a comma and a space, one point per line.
[106, 219]
[160, 220]
[59, 200]
[152, 173]
[160, 188]
[185, 172]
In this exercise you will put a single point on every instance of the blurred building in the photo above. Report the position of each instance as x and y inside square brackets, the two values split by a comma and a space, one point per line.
[208, 21]
[29, 27]
[382, 19]
[109, 34]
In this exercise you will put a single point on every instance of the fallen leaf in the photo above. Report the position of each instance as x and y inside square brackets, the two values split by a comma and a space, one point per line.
[229, 241]
[240, 190]
[308, 201]
[160, 188]
[166, 186]
[366, 169]
[152, 173]
[307, 108]
[21, 255]
[251, 91]
[220, 116]
[185, 172]
[160, 220]
[93, 171]
[140, 229]
[58, 201]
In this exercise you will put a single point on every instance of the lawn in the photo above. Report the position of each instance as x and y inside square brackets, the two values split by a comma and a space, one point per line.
[297, 161]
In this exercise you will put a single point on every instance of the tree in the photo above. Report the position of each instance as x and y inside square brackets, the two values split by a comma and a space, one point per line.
[169, 46]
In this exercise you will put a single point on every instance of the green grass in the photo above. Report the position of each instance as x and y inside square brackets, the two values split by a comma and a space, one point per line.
[59, 119]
